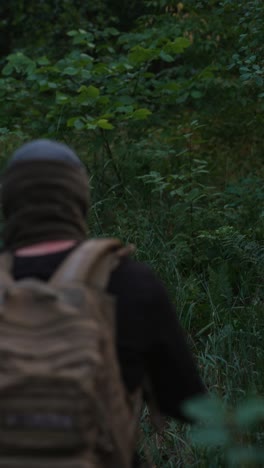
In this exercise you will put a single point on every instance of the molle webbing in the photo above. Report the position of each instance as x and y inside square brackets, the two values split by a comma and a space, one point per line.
[60, 385]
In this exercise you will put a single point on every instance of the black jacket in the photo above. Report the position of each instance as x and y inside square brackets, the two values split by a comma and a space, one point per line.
[150, 340]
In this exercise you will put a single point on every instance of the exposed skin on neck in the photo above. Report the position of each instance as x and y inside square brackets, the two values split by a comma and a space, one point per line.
[44, 248]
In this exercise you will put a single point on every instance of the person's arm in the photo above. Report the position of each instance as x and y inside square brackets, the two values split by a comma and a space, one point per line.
[150, 339]
[172, 369]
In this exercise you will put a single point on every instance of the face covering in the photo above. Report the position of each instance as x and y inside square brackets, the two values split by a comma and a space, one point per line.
[45, 195]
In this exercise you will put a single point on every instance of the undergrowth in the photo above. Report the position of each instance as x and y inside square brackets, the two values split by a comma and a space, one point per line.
[206, 244]
[164, 103]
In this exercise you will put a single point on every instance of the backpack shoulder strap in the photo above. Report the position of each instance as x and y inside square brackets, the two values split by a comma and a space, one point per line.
[6, 263]
[91, 263]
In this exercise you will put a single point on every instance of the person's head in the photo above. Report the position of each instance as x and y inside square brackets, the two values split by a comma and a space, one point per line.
[45, 195]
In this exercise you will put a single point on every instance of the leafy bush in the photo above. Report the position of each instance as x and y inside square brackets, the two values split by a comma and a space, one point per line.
[163, 101]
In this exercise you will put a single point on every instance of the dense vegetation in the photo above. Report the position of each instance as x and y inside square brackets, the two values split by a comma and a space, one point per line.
[164, 101]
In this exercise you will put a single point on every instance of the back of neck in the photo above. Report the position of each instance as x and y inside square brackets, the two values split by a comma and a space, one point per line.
[45, 248]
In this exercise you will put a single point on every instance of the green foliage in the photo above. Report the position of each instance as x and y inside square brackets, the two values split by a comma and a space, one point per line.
[235, 431]
[117, 89]
[163, 100]
[41, 25]
[249, 57]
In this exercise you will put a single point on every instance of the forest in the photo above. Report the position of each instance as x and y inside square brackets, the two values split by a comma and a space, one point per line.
[164, 103]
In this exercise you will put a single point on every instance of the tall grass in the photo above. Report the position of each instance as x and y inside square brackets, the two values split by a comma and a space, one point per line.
[213, 267]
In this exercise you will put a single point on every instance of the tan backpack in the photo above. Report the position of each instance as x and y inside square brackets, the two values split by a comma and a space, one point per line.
[62, 402]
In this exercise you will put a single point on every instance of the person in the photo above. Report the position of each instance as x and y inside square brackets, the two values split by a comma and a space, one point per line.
[45, 202]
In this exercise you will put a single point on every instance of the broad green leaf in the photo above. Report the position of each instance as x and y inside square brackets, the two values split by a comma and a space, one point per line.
[72, 33]
[250, 412]
[4, 131]
[52, 85]
[43, 84]
[100, 69]
[210, 436]
[166, 57]
[140, 55]
[8, 69]
[180, 192]
[246, 76]
[105, 124]
[43, 61]
[79, 124]
[20, 63]
[104, 100]
[196, 94]
[177, 46]
[85, 75]
[70, 71]
[205, 409]
[91, 126]
[243, 456]
[89, 91]
[111, 31]
[76, 122]
[141, 114]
